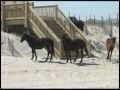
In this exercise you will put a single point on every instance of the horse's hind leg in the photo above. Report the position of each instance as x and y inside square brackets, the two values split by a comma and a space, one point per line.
[47, 56]
[66, 55]
[81, 55]
[76, 55]
[108, 54]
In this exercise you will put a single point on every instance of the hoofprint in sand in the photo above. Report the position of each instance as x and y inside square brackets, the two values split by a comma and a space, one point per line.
[18, 71]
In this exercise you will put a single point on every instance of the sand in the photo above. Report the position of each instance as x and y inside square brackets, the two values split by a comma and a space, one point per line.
[19, 71]
[92, 73]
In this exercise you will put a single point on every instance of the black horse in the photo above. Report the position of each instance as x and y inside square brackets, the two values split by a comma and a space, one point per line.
[78, 23]
[36, 43]
[73, 45]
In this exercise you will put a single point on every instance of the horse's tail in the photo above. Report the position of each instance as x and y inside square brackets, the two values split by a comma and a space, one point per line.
[86, 50]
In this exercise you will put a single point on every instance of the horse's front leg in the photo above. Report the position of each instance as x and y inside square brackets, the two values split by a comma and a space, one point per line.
[76, 55]
[66, 55]
[108, 54]
[32, 54]
[51, 56]
[81, 55]
[35, 54]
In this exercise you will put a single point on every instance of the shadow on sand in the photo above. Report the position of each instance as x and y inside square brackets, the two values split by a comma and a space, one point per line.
[84, 64]
[62, 62]
[53, 61]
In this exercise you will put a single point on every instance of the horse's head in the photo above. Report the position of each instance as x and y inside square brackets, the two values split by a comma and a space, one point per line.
[73, 18]
[66, 38]
[23, 37]
[114, 39]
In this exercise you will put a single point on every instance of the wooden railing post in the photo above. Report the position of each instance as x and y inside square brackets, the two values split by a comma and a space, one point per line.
[2, 16]
[111, 29]
[26, 14]
[4, 27]
[94, 20]
[102, 21]
[69, 14]
[89, 48]
[56, 8]
[117, 20]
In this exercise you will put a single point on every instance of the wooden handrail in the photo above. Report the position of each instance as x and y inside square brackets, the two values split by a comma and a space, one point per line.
[46, 6]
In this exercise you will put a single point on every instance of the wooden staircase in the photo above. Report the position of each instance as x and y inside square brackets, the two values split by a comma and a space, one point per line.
[59, 24]
[47, 21]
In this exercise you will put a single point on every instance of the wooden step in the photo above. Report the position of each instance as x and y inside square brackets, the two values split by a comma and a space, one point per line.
[55, 27]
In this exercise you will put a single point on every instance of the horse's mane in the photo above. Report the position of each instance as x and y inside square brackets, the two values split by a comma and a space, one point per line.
[32, 36]
[73, 18]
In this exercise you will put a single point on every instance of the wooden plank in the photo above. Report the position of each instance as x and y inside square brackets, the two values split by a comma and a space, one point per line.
[15, 22]
[26, 14]
[17, 18]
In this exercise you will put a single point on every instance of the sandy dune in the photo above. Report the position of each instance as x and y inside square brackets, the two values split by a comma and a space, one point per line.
[18, 71]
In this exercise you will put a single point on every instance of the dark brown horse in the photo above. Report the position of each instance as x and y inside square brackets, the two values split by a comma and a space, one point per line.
[36, 43]
[110, 43]
[78, 23]
[73, 45]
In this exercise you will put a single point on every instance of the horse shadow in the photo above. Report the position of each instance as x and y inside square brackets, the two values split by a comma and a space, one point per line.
[44, 61]
[85, 64]
[39, 61]
[59, 62]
